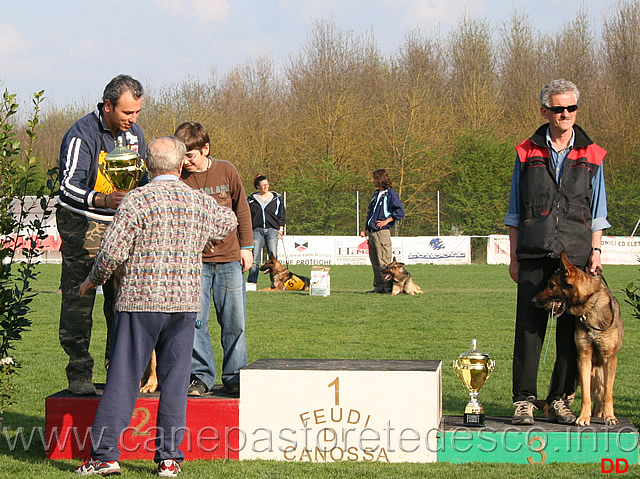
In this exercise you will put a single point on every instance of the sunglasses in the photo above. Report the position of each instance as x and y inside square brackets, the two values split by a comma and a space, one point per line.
[560, 109]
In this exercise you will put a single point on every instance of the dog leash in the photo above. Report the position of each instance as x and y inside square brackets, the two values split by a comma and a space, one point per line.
[551, 320]
[286, 259]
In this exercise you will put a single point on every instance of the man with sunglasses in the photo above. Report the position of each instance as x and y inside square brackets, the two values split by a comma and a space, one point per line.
[558, 202]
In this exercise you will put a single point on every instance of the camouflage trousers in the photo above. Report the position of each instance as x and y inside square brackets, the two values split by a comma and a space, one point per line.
[80, 242]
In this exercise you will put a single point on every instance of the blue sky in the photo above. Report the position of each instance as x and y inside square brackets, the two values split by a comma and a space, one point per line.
[72, 48]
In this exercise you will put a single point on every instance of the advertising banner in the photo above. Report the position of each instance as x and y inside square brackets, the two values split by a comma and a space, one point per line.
[615, 249]
[437, 250]
[308, 250]
[339, 250]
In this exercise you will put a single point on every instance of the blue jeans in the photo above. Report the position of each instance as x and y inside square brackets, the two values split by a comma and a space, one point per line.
[260, 236]
[226, 281]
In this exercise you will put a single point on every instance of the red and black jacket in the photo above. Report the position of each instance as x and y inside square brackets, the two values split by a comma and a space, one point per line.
[556, 216]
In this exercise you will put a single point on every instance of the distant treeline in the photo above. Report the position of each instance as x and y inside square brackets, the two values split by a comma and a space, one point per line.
[440, 113]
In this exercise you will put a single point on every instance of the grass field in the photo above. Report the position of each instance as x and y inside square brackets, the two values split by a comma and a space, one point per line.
[461, 303]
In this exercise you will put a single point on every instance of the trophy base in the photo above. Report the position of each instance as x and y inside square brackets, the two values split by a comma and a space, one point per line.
[474, 419]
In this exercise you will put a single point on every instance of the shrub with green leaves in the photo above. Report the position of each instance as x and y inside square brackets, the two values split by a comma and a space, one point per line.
[20, 233]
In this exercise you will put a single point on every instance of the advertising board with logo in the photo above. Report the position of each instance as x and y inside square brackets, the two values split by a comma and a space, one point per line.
[307, 250]
[354, 250]
[615, 249]
[437, 250]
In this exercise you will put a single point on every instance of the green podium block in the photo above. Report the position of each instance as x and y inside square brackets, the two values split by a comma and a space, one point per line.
[543, 442]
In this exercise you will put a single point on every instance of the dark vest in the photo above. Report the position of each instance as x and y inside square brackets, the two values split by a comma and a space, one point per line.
[556, 217]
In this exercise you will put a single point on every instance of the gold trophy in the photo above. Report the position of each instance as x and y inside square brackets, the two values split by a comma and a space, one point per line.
[474, 367]
[122, 168]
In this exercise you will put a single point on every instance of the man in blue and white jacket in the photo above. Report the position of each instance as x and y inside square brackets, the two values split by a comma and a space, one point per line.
[87, 203]
[385, 208]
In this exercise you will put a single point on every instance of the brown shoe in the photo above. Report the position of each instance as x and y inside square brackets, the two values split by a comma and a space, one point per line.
[523, 414]
[82, 387]
[560, 412]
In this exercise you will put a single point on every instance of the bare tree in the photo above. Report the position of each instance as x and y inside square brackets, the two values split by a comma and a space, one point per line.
[521, 74]
[249, 105]
[473, 79]
[323, 105]
[411, 128]
[621, 58]
[165, 108]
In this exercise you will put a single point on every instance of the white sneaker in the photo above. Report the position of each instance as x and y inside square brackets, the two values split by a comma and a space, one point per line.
[101, 468]
[168, 468]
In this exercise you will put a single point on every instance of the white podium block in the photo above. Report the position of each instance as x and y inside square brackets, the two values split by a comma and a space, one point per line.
[319, 410]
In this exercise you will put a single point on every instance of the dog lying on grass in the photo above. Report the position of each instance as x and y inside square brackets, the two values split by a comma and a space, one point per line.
[281, 278]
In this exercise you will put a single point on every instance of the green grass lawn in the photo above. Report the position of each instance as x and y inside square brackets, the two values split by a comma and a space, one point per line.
[461, 303]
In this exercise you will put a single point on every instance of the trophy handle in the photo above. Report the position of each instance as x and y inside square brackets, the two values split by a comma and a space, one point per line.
[490, 367]
[457, 368]
[141, 169]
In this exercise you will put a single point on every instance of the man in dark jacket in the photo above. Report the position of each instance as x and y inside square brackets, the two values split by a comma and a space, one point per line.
[385, 208]
[87, 203]
[558, 202]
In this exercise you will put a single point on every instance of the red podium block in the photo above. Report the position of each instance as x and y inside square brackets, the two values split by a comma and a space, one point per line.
[211, 433]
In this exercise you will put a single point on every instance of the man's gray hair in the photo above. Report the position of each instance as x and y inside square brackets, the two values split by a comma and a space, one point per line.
[558, 87]
[119, 85]
[164, 155]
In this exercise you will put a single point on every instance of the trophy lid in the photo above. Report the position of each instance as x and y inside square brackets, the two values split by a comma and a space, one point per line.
[474, 352]
[121, 153]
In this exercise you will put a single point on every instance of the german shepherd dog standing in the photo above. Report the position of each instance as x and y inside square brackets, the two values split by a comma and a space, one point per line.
[281, 278]
[598, 334]
[402, 282]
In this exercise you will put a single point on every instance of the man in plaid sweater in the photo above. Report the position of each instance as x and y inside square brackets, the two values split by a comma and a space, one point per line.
[158, 234]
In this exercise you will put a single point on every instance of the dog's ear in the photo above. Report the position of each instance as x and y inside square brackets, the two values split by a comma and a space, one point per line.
[272, 256]
[567, 266]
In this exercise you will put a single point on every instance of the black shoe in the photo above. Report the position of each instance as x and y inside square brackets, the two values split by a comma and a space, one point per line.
[197, 387]
[233, 389]
[82, 387]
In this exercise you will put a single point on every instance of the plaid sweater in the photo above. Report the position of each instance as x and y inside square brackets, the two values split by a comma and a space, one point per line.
[158, 234]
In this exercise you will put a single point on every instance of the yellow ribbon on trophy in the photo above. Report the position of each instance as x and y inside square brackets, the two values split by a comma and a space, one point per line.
[103, 183]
